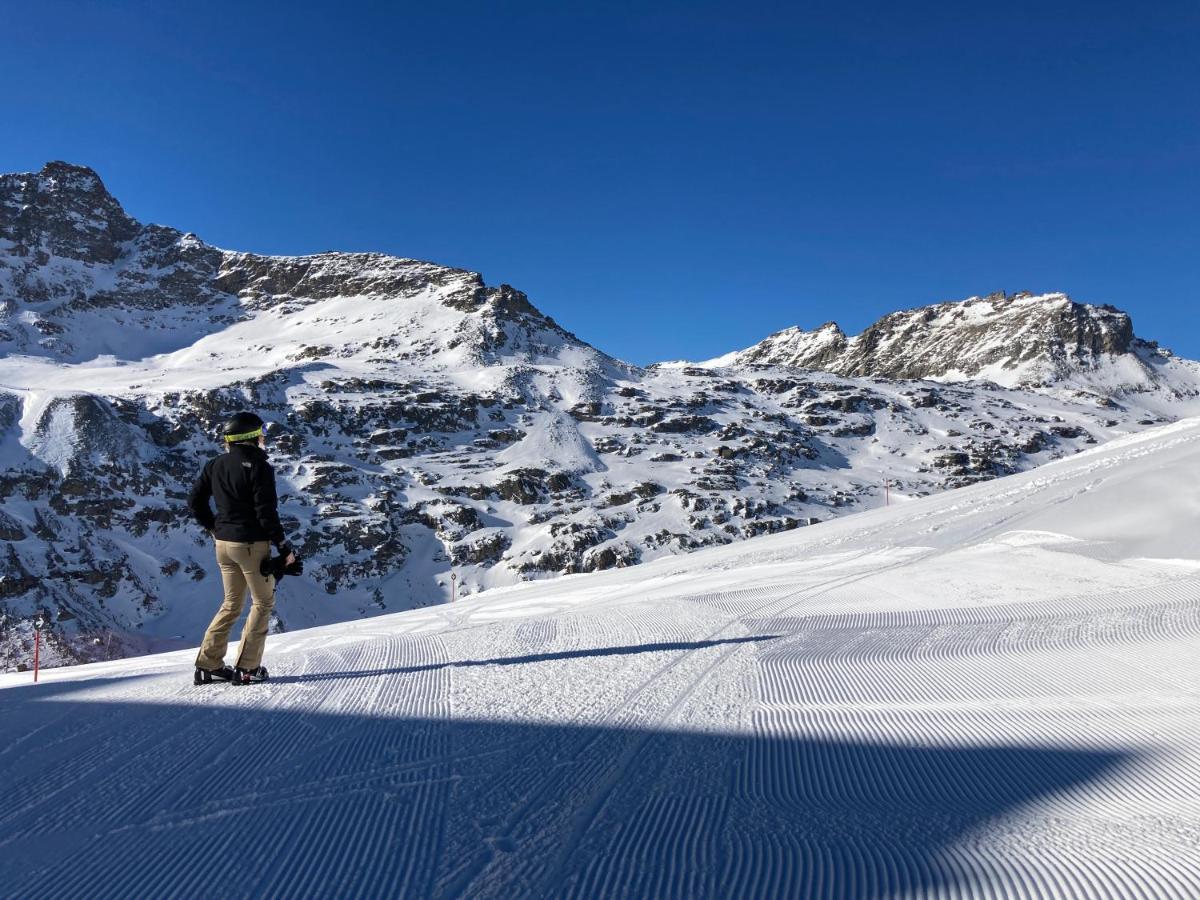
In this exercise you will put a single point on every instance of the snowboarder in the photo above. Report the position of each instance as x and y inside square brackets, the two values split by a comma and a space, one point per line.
[246, 524]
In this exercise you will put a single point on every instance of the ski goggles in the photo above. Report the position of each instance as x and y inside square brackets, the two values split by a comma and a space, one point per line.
[267, 429]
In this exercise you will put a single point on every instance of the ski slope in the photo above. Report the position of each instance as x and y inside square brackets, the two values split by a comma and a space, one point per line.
[991, 693]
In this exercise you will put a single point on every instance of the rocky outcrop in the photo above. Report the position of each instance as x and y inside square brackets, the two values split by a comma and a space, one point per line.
[81, 277]
[64, 210]
[1021, 339]
[794, 348]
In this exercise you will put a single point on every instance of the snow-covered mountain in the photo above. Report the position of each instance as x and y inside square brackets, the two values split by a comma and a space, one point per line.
[437, 424]
[1022, 340]
[990, 693]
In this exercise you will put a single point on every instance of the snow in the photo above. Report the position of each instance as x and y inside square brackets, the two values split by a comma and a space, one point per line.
[991, 692]
[57, 442]
[554, 442]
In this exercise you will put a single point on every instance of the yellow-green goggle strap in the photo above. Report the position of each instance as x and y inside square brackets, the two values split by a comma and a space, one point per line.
[249, 435]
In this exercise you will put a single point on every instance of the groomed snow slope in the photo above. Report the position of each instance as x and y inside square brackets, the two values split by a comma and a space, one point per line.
[989, 693]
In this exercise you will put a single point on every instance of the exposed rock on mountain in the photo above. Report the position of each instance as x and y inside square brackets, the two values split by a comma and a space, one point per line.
[63, 211]
[792, 348]
[1018, 340]
[432, 423]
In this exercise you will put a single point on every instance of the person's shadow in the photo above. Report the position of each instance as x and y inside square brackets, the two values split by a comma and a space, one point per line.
[523, 660]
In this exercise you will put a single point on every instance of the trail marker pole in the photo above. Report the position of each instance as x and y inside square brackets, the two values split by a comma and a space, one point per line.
[887, 492]
[38, 624]
[453, 586]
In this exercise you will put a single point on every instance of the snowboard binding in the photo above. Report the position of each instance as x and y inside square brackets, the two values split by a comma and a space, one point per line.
[208, 676]
[249, 676]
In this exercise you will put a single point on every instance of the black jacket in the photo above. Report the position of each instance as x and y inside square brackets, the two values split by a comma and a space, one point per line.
[242, 483]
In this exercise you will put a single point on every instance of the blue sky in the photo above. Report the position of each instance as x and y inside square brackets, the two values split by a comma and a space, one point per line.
[668, 180]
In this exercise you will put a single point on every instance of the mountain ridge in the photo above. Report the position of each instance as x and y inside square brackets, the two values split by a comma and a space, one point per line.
[1094, 330]
[71, 266]
[1023, 339]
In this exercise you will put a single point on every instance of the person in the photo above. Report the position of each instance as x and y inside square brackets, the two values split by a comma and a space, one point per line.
[246, 524]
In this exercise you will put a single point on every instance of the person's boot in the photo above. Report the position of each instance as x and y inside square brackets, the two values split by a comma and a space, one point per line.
[249, 676]
[208, 676]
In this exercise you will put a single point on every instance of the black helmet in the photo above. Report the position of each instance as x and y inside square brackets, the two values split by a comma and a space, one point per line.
[243, 426]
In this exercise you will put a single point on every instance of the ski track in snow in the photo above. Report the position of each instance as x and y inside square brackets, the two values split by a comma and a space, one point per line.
[777, 718]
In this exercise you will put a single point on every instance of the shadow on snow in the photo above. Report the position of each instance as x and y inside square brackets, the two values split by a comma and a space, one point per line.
[523, 660]
[215, 800]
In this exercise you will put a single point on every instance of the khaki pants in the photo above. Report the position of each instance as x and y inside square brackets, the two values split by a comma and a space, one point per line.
[239, 569]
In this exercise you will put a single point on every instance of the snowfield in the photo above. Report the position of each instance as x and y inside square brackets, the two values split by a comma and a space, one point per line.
[992, 692]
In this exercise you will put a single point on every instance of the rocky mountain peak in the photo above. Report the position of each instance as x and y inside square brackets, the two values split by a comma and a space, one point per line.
[58, 175]
[1025, 337]
[793, 347]
[65, 211]
[1021, 338]
[78, 277]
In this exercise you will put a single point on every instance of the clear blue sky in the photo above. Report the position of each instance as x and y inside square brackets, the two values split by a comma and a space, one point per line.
[666, 179]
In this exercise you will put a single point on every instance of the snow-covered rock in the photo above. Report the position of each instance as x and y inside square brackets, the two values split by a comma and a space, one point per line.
[1022, 340]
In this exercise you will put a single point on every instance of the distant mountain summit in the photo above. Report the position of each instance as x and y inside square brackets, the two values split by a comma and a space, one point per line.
[82, 279]
[432, 424]
[63, 211]
[1013, 340]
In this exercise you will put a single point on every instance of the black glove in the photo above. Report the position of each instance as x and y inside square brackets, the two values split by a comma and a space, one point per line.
[277, 567]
